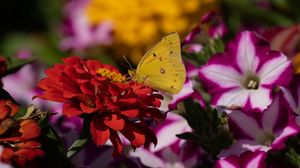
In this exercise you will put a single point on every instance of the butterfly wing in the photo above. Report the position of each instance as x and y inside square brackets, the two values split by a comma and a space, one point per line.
[162, 67]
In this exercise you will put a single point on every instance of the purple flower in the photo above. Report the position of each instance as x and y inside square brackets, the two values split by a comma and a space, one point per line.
[261, 131]
[80, 34]
[217, 26]
[170, 150]
[186, 156]
[246, 160]
[291, 95]
[246, 73]
[186, 92]
[284, 39]
[198, 37]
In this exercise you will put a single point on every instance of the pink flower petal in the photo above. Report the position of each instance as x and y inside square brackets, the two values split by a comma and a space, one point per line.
[245, 123]
[271, 115]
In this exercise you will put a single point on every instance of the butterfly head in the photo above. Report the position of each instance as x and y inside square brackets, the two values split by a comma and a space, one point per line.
[132, 74]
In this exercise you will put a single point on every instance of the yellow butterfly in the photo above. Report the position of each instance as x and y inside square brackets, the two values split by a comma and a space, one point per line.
[162, 67]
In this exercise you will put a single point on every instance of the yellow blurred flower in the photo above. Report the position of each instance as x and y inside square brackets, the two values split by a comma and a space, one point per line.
[296, 63]
[139, 24]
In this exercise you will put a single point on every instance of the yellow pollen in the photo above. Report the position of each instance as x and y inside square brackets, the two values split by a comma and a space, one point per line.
[112, 75]
[252, 84]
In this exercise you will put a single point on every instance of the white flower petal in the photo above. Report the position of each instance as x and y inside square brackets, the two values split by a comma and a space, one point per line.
[167, 134]
[169, 156]
[260, 98]
[246, 58]
[237, 148]
[273, 69]
[224, 76]
[235, 97]
[148, 158]
[289, 98]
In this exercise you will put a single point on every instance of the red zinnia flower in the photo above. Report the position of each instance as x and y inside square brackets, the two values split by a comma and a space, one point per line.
[114, 104]
[18, 137]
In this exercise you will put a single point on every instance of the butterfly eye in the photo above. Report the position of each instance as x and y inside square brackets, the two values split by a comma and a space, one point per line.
[154, 55]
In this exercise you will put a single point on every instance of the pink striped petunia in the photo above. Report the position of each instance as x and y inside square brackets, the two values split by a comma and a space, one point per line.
[246, 160]
[291, 95]
[170, 151]
[246, 73]
[261, 131]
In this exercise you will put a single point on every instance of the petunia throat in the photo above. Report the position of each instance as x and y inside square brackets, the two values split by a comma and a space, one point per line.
[265, 138]
[251, 82]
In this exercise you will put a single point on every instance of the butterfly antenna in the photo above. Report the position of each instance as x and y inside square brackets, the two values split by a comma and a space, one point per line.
[127, 62]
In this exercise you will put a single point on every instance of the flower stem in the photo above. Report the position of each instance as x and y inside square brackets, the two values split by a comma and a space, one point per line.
[81, 141]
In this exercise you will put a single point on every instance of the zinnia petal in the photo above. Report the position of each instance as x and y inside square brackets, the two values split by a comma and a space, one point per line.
[99, 131]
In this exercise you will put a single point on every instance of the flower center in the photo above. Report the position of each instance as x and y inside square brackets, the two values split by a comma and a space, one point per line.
[112, 75]
[251, 82]
[266, 138]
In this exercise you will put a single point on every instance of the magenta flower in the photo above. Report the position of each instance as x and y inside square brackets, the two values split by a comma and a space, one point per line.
[170, 150]
[186, 92]
[186, 156]
[284, 39]
[217, 27]
[261, 131]
[80, 34]
[211, 26]
[246, 160]
[246, 73]
[215, 24]
[291, 95]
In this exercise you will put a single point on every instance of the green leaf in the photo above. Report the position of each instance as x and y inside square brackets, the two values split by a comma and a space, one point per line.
[21, 113]
[81, 141]
[54, 149]
[215, 119]
[189, 136]
[208, 130]
[25, 113]
[242, 12]
[14, 64]
[293, 157]
[32, 112]
[43, 122]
